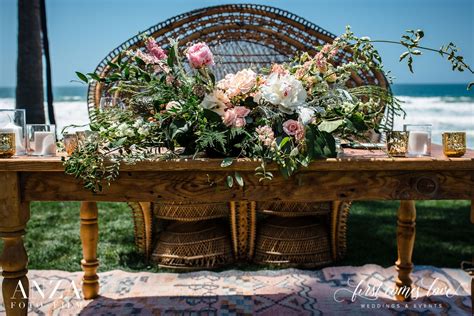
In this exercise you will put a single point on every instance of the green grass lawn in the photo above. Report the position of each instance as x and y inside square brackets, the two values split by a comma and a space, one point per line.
[444, 235]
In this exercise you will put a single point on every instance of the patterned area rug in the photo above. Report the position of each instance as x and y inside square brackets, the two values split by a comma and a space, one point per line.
[331, 291]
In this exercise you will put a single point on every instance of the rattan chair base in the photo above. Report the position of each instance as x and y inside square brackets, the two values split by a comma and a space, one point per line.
[193, 246]
[293, 242]
[294, 209]
[189, 211]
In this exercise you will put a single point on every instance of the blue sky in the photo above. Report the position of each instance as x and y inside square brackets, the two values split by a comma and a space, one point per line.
[82, 32]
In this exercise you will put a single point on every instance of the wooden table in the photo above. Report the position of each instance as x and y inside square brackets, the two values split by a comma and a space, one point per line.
[360, 175]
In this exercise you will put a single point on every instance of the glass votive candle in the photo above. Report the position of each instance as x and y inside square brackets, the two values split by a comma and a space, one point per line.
[419, 140]
[7, 144]
[397, 143]
[70, 142]
[454, 144]
[14, 121]
[41, 139]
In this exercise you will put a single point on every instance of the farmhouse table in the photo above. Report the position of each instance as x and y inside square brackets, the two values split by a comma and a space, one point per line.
[358, 175]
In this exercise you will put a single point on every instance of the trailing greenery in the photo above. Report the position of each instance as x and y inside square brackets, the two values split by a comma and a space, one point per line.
[289, 114]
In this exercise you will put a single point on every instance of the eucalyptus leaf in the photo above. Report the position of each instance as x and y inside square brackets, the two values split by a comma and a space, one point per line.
[239, 179]
[330, 126]
[230, 181]
[227, 162]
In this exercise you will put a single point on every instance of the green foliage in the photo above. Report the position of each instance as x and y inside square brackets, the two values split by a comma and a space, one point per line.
[189, 113]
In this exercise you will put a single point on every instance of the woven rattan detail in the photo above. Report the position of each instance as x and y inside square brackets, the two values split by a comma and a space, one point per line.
[142, 226]
[243, 221]
[193, 246]
[190, 211]
[294, 209]
[340, 231]
[293, 242]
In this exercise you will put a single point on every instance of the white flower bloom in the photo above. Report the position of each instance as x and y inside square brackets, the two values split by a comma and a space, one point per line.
[138, 123]
[130, 132]
[348, 106]
[240, 83]
[144, 130]
[216, 101]
[285, 91]
[306, 114]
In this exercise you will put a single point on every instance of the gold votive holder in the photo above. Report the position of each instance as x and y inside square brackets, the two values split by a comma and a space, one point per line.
[397, 143]
[70, 142]
[454, 144]
[7, 145]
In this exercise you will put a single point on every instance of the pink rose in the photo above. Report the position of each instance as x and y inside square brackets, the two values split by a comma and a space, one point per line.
[240, 83]
[241, 111]
[239, 122]
[235, 117]
[154, 49]
[294, 128]
[229, 117]
[199, 55]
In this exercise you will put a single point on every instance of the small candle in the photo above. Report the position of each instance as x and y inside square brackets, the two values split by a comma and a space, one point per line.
[18, 131]
[419, 143]
[44, 144]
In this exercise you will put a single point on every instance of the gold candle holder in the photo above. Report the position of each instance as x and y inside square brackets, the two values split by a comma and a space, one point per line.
[454, 144]
[70, 142]
[7, 145]
[397, 143]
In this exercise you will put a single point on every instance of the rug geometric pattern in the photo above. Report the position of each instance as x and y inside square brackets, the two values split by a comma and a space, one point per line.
[329, 291]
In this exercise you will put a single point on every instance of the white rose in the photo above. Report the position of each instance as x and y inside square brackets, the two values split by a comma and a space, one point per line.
[216, 101]
[285, 91]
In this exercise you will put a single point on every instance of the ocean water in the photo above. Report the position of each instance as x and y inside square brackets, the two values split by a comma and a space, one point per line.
[448, 107]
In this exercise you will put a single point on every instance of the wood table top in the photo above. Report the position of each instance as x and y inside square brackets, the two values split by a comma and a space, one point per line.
[353, 159]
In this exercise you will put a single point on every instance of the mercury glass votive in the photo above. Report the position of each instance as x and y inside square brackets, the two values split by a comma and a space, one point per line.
[397, 143]
[70, 142]
[41, 139]
[14, 121]
[7, 144]
[419, 140]
[454, 144]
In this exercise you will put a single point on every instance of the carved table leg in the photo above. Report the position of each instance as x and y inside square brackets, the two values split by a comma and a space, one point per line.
[405, 242]
[15, 286]
[14, 214]
[89, 238]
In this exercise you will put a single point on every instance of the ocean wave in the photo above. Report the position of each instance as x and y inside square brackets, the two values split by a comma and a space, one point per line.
[77, 98]
[438, 99]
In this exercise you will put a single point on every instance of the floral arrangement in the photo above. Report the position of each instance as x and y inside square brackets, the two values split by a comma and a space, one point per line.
[289, 114]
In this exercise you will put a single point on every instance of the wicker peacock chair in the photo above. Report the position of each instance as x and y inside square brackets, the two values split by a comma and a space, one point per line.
[240, 36]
